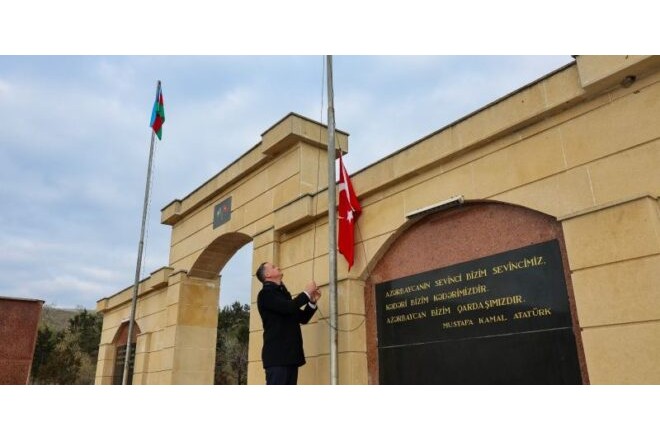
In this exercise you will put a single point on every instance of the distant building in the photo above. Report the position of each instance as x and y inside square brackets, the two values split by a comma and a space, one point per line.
[519, 244]
[19, 322]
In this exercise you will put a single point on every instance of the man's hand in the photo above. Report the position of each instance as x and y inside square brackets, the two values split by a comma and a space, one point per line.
[313, 291]
[310, 288]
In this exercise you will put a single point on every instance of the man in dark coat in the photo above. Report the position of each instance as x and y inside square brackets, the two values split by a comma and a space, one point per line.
[281, 315]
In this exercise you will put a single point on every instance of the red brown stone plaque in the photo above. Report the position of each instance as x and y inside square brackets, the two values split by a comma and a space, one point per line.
[479, 294]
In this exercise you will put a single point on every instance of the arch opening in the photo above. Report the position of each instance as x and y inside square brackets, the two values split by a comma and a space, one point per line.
[229, 259]
[120, 344]
[231, 357]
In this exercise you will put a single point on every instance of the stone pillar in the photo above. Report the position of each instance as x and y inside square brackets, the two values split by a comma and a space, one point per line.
[614, 256]
[352, 341]
[188, 354]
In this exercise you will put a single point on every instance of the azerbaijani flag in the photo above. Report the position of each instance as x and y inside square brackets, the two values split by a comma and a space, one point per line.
[158, 114]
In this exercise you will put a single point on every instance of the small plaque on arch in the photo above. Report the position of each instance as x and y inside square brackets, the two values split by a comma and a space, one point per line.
[222, 213]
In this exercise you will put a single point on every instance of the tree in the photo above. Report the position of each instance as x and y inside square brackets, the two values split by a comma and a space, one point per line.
[232, 344]
[68, 356]
[62, 365]
[87, 327]
[44, 347]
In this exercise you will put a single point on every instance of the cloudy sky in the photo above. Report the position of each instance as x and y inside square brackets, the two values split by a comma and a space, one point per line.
[74, 144]
[74, 128]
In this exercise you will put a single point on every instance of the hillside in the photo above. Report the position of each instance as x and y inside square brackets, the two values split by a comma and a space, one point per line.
[55, 318]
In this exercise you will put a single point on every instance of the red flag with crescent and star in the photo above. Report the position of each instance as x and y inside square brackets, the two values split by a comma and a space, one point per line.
[348, 212]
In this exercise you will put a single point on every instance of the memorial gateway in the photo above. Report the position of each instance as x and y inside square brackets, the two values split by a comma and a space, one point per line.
[518, 245]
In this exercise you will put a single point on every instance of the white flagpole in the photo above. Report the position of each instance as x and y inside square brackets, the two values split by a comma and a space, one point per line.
[332, 228]
[138, 266]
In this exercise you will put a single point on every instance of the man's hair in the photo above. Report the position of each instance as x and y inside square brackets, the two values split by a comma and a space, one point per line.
[261, 272]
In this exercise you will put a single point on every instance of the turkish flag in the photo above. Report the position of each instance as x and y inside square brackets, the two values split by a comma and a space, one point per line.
[348, 212]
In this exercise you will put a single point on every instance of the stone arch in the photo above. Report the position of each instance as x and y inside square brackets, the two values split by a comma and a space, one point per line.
[264, 194]
[216, 255]
[474, 230]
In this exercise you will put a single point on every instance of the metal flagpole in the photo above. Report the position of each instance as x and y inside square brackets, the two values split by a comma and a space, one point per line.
[332, 227]
[138, 266]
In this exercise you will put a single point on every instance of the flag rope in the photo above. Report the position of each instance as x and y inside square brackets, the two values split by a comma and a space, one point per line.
[318, 168]
[149, 204]
[318, 189]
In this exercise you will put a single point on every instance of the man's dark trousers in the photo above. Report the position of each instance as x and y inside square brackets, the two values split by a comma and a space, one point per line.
[282, 375]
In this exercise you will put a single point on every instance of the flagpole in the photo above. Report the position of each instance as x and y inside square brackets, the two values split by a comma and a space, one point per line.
[332, 228]
[138, 266]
